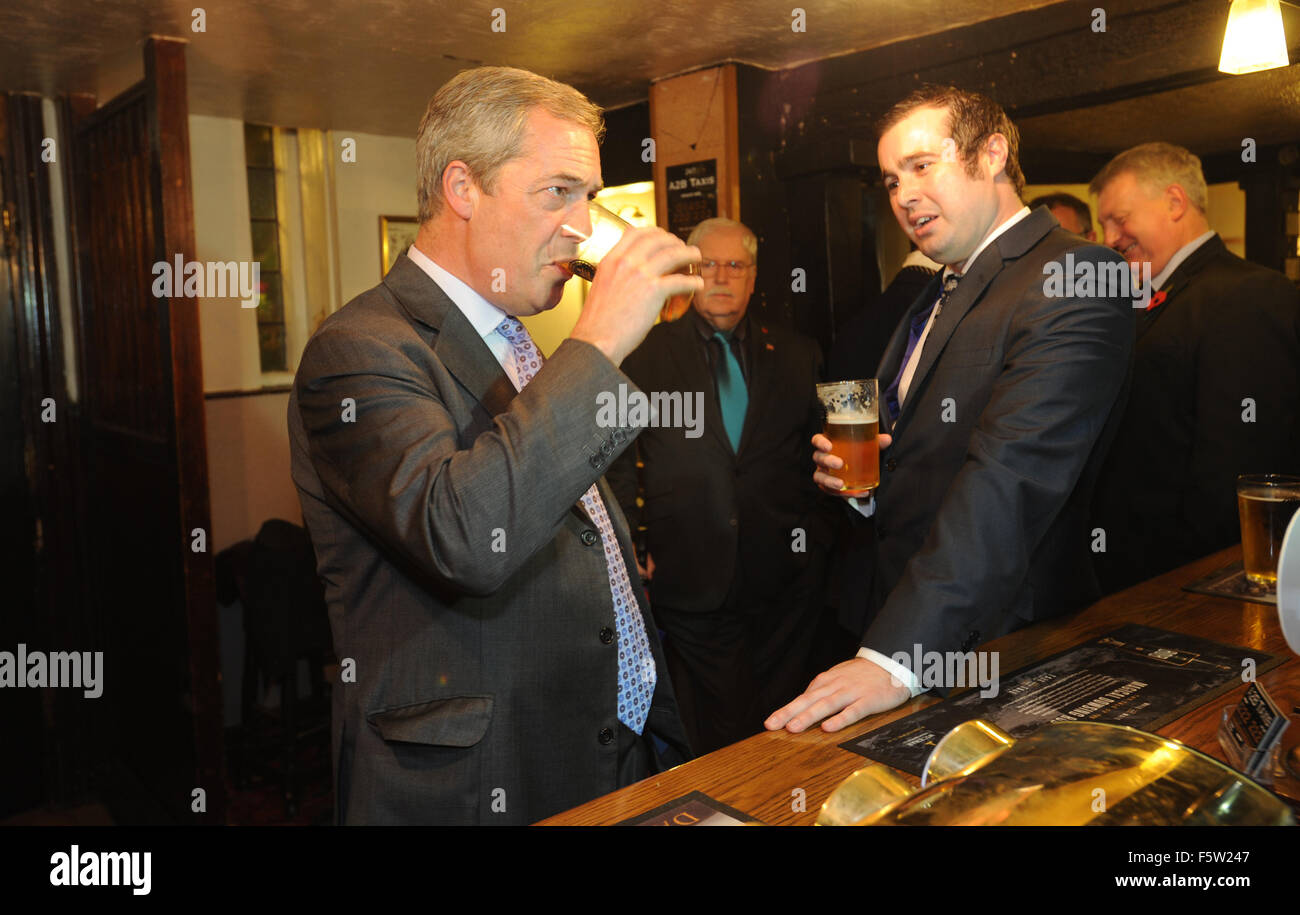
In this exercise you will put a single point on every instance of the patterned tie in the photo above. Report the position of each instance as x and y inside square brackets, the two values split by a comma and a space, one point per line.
[733, 396]
[914, 337]
[636, 664]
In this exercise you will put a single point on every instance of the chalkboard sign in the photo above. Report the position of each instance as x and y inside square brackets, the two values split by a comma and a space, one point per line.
[692, 195]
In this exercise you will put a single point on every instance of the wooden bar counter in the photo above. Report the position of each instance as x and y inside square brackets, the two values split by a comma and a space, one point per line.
[764, 774]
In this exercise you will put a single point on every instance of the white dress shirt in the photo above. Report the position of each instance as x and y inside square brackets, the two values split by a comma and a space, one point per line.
[482, 315]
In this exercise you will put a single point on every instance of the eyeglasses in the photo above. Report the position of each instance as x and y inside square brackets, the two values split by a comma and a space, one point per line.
[708, 266]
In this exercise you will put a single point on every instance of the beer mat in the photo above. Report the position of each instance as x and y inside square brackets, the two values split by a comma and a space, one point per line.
[1136, 675]
[694, 809]
[1231, 581]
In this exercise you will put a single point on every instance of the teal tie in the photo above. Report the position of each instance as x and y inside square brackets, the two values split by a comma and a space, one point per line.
[732, 394]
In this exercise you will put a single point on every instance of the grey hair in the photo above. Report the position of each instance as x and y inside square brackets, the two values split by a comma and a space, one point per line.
[479, 117]
[748, 239]
[1157, 166]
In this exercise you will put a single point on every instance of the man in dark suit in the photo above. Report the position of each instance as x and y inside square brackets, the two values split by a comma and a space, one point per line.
[1216, 377]
[498, 663]
[1001, 400]
[735, 545]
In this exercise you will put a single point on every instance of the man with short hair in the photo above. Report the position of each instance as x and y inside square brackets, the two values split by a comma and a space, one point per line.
[500, 665]
[1072, 213]
[1216, 378]
[1001, 397]
[734, 539]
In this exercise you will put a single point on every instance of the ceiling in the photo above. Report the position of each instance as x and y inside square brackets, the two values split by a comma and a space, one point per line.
[372, 66]
[1212, 117]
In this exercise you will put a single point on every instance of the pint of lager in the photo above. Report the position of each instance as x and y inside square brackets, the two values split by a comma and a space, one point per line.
[852, 421]
[1265, 503]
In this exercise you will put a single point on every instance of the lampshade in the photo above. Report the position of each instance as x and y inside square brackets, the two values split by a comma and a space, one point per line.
[1254, 39]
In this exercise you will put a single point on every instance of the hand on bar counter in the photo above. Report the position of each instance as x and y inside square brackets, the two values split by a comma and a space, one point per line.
[853, 689]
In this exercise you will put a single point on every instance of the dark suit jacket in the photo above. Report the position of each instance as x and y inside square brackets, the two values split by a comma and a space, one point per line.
[981, 512]
[466, 588]
[712, 514]
[1227, 330]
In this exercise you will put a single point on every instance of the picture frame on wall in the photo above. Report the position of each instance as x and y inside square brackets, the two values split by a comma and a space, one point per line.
[396, 234]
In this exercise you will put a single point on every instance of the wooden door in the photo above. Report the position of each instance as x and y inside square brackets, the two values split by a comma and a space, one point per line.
[147, 521]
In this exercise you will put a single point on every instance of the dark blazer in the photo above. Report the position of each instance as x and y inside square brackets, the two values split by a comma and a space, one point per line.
[467, 590]
[981, 513]
[1226, 331]
[711, 513]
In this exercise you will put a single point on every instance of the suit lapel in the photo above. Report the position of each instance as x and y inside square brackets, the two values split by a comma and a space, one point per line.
[1012, 243]
[893, 356]
[1179, 279]
[960, 301]
[457, 345]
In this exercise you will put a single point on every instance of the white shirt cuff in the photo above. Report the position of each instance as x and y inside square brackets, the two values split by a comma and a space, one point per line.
[865, 507]
[899, 675]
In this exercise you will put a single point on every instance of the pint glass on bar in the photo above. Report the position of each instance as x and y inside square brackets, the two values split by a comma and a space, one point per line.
[852, 422]
[1265, 503]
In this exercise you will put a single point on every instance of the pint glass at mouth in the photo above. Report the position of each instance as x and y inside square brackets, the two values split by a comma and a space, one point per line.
[852, 423]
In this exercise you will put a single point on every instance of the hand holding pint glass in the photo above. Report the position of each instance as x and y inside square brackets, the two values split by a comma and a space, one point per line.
[852, 425]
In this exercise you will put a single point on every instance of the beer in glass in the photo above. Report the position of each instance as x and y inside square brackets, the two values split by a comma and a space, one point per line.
[852, 422]
[1265, 503]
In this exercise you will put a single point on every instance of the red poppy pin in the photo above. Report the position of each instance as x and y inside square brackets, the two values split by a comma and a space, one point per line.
[1156, 300]
[771, 347]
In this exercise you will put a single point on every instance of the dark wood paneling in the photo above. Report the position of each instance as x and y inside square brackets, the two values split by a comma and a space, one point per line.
[170, 137]
[145, 427]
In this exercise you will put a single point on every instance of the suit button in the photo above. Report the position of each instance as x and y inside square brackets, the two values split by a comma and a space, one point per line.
[588, 537]
[606, 736]
[732, 522]
[607, 448]
[891, 465]
[596, 461]
[881, 533]
[607, 635]
[619, 435]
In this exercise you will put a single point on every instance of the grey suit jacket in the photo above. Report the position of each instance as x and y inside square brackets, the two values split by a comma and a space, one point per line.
[982, 507]
[467, 590]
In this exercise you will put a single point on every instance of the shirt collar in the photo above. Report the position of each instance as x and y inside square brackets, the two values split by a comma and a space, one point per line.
[1179, 256]
[988, 239]
[482, 315]
[706, 331]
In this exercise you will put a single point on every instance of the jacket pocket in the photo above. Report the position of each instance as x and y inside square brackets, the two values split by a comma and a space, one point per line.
[456, 721]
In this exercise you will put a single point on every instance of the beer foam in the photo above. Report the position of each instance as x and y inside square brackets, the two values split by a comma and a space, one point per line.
[850, 419]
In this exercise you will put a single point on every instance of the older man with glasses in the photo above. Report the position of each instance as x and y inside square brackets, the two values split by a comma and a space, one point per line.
[734, 535]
